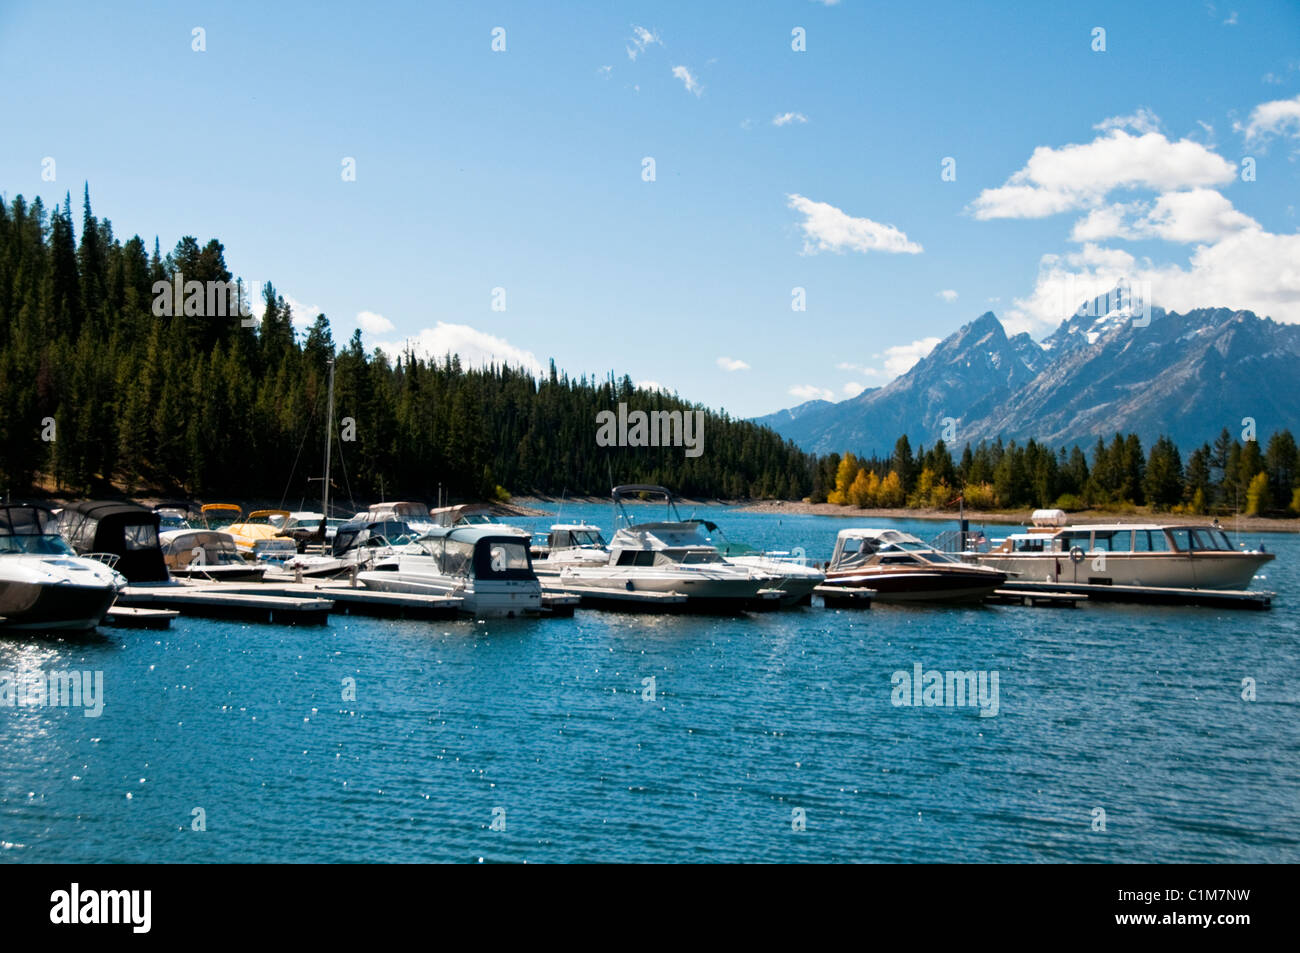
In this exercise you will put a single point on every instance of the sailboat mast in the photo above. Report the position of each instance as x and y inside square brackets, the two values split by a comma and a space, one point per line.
[329, 432]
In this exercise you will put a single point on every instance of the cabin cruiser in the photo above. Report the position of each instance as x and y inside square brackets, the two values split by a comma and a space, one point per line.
[357, 545]
[571, 544]
[44, 584]
[124, 530]
[487, 567]
[898, 567]
[206, 554]
[414, 515]
[1183, 556]
[671, 557]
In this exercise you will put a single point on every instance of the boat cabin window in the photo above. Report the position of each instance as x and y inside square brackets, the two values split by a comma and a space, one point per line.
[140, 536]
[501, 559]
[1112, 541]
[1150, 541]
[636, 557]
[1204, 538]
[1182, 539]
[694, 556]
[899, 559]
[1031, 544]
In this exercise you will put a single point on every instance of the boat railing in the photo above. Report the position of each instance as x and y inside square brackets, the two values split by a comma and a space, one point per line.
[108, 559]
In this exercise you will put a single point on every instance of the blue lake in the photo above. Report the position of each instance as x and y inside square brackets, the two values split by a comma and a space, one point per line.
[758, 724]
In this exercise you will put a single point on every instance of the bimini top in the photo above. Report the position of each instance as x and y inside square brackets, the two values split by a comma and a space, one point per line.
[476, 532]
[880, 535]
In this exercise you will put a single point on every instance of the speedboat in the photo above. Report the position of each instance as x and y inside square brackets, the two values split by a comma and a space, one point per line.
[898, 567]
[1183, 556]
[44, 584]
[206, 554]
[487, 567]
[670, 557]
[357, 545]
[571, 544]
[258, 527]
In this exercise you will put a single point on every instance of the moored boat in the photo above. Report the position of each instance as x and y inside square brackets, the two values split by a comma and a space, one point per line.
[1159, 555]
[487, 567]
[898, 567]
[44, 584]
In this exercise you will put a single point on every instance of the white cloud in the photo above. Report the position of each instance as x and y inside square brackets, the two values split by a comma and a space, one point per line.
[651, 385]
[1141, 122]
[1281, 117]
[642, 38]
[475, 347]
[853, 389]
[1248, 269]
[732, 364]
[1080, 176]
[786, 118]
[604, 71]
[373, 323]
[810, 392]
[690, 82]
[947, 295]
[304, 315]
[897, 360]
[900, 358]
[827, 228]
[1196, 215]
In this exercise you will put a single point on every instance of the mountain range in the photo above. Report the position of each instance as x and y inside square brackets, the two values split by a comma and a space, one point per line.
[1100, 372]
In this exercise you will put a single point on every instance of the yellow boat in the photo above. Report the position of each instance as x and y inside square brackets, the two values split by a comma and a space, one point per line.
[258, 527]
[247, 531]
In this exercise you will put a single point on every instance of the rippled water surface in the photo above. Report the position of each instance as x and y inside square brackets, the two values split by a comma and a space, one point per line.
[544, 725]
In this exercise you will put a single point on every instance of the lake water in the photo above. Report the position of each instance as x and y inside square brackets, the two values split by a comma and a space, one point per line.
[758, 725]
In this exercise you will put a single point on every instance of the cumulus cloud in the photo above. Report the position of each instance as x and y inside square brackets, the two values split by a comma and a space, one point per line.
[895, 361]
[827, 228]
[1076, 177]
[947, 295]
[641, 39]
[475, 347]
[650, 385]
[373, 323]
[853, 389]
[784, 119]
[690, 82]
[1250, 269]
[1141, 122]
[1281, 117]
[811, 392]
[1196, 215]
[732, 364]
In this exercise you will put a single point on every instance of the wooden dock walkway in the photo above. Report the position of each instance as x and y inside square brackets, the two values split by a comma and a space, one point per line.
[124, 617]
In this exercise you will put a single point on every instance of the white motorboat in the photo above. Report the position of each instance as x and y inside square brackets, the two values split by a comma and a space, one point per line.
[671, 557]
[44, 585]
[487, 567]
[357, 545]
[206, 554]
[1165, 555]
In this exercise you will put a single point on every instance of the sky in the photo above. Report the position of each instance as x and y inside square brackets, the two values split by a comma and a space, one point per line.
[654, 188]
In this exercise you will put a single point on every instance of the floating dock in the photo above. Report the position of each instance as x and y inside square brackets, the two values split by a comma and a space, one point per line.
[1053, 599]
[620, 600]
[1150, 595]
[843, 597]
[127, 618]
[372, 602]
[218, 601]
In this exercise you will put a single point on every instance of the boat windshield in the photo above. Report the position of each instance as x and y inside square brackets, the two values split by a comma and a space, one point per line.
[1201, 539]
[36, 544]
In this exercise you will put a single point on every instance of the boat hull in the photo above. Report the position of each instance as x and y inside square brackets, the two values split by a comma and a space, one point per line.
[53, 606]
[1198, 570]
[922, 586]
[509, 599]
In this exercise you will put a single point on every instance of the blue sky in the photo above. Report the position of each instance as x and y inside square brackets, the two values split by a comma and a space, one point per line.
[522, 169]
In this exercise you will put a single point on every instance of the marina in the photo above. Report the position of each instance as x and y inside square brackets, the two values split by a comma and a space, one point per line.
[485, 713]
